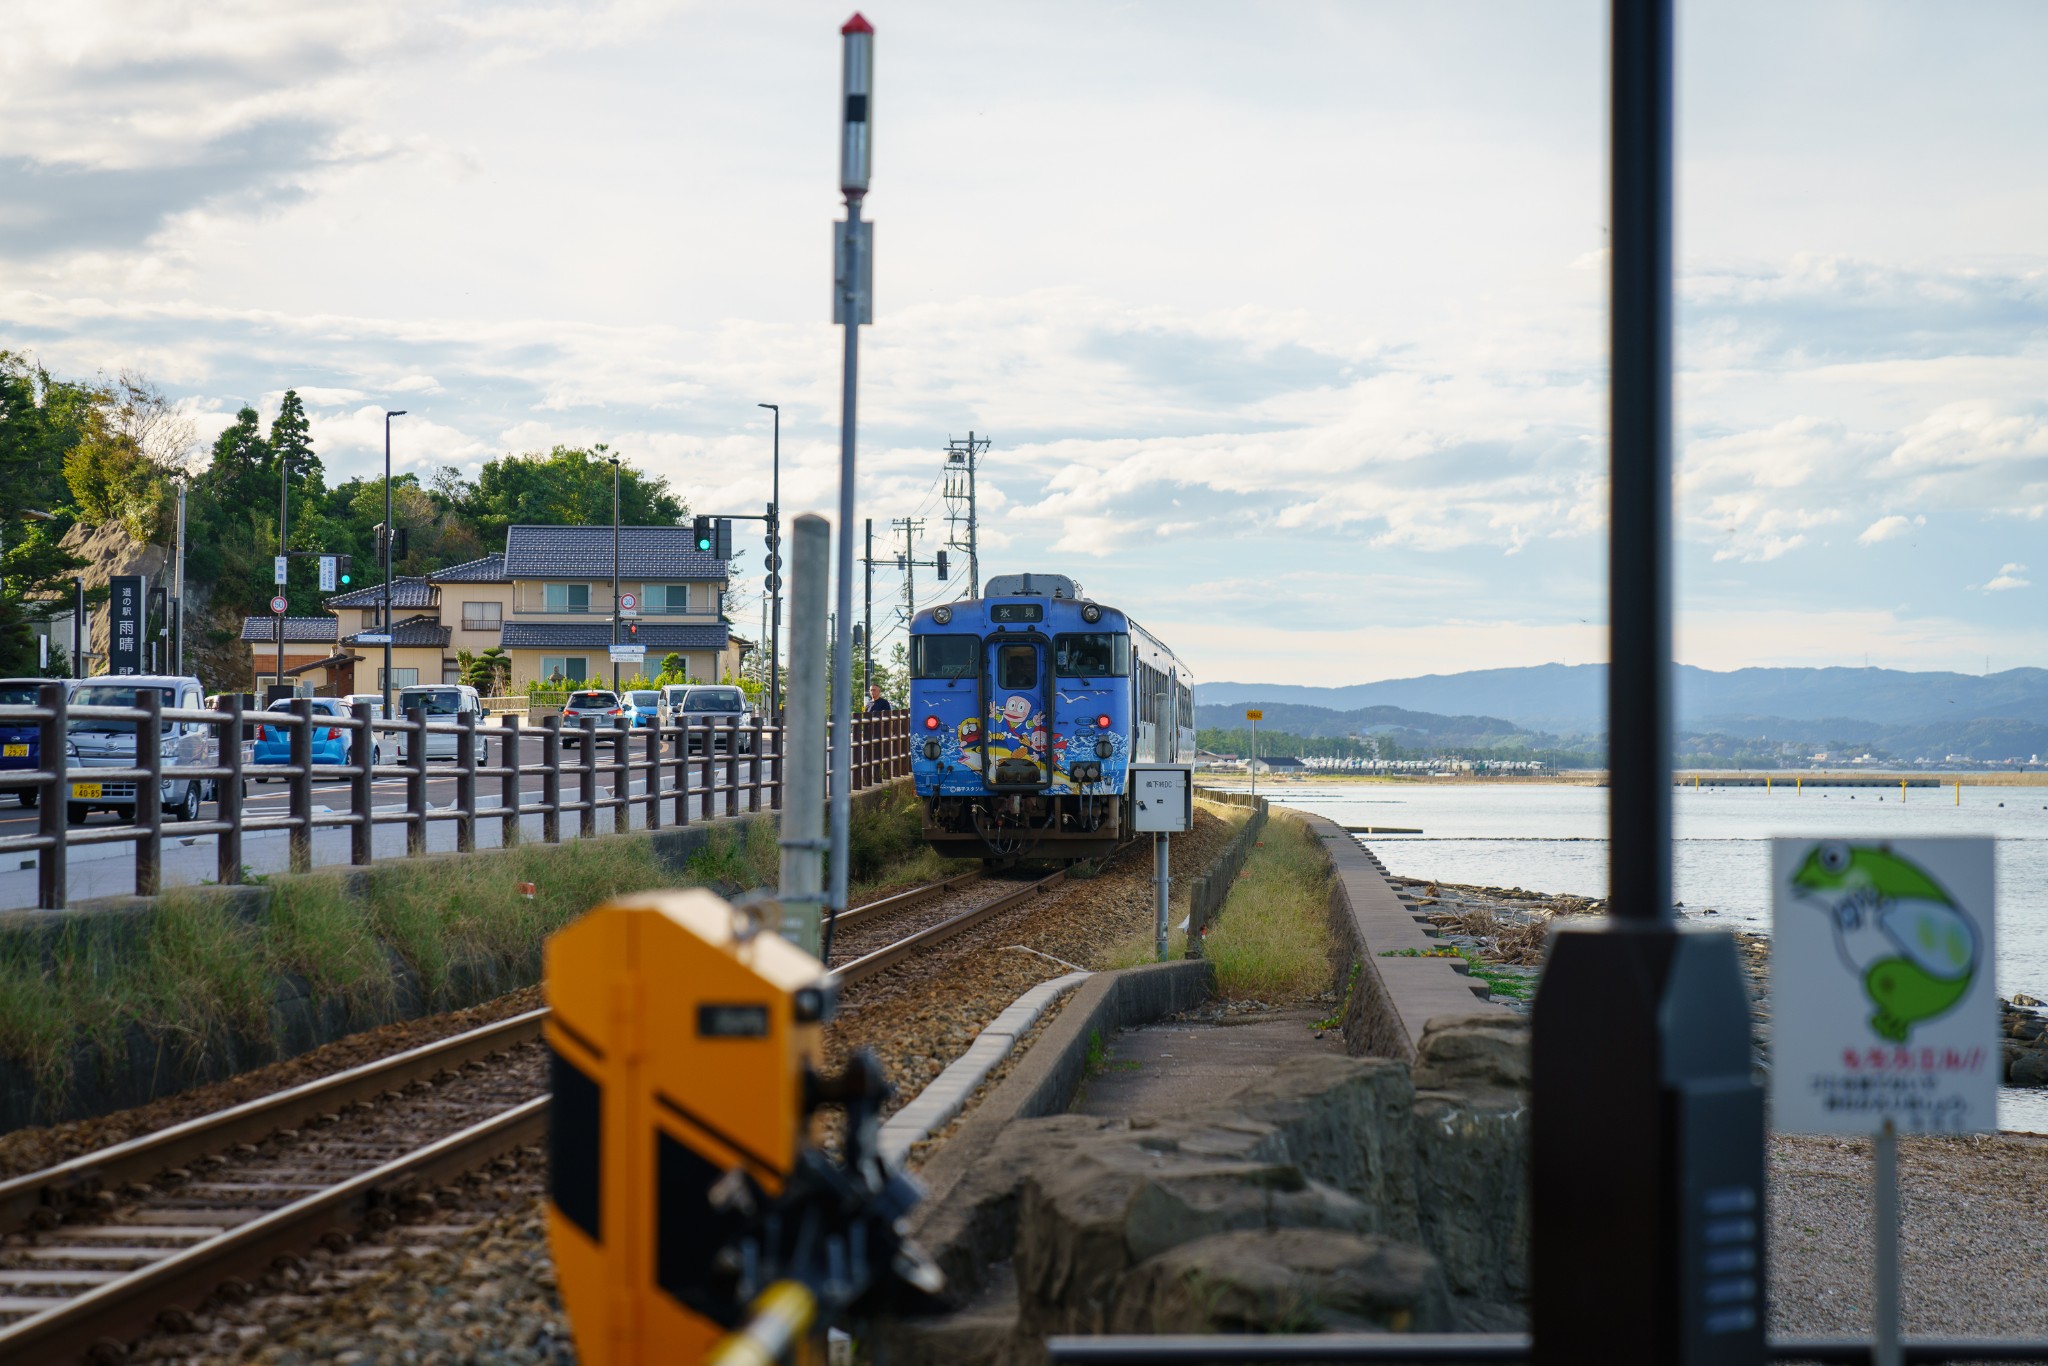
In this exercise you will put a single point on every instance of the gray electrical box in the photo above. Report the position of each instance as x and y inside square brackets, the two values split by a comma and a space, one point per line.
[1164, 797]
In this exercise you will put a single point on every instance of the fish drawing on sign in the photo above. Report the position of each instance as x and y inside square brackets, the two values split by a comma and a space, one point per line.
[1909, 943]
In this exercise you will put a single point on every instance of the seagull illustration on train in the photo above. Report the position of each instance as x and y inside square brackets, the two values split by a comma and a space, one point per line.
[1907, 940]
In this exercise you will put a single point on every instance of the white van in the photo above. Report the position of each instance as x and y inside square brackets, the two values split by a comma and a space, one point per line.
[111, 744]
[443, 703]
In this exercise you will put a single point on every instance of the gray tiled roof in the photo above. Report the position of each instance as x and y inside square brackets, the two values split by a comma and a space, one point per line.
[314, 630]
[585, 552]
[563, 635]
[424, 631]
[489, 569]
[406, 591]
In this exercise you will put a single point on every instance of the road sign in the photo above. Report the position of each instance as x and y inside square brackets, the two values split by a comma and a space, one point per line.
[280, 569]
[327, 573]
[629, 653]
[1254, 715]
[278, 605]
[1883, 983]
[373, 638]
[627, 602]
[775, 583]
[772, 563]
[126, 601]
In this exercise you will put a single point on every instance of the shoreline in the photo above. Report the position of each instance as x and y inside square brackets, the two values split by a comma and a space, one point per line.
[1597, 777]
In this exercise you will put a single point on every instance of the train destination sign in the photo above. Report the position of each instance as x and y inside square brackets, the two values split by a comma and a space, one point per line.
[1884, 986]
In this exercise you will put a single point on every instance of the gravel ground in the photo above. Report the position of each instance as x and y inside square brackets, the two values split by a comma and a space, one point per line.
[1974, 1210]
[468, 1278]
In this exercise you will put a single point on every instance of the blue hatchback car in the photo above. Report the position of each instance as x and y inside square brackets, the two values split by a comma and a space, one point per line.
[330, 743]
[640, 707]
[21, 746]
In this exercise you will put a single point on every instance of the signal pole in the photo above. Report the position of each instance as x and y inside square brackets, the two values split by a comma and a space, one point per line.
[961, 459]
[907, 562]
[867, 615]
[853, 304]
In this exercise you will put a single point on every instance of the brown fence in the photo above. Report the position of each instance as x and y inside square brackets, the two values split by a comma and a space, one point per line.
[736, 768]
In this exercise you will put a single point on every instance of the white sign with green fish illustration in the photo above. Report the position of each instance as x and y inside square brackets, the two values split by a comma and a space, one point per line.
[1884, 992]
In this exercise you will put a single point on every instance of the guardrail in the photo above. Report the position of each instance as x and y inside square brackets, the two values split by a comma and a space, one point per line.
[881, 752]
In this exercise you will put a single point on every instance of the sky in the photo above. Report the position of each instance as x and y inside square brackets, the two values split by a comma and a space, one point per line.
[1286, 322]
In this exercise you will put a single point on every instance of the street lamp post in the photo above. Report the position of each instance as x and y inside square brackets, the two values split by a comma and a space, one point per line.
[615, 566]
[390, 535]
[284, 484]
[775, 570]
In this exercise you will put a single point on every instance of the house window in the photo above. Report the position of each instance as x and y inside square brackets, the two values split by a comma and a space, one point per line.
[564, 668]
[488, 616]
[566, 597]
[400, 678]
[668, 597]
[451, 671]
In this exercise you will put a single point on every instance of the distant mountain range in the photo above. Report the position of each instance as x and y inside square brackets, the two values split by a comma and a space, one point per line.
[1891, 711]
[1571, 699]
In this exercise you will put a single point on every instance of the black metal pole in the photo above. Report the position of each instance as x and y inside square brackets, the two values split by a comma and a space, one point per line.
[615, 571]
[867, 615]
[1646, 1129]
[390, 539]
[775, 548]
[284, 483]
[78, 629]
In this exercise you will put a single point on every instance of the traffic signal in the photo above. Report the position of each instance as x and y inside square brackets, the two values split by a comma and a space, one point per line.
[721, 538]
[342, 569]
[632, 633]
[942, 565]
[700, 534]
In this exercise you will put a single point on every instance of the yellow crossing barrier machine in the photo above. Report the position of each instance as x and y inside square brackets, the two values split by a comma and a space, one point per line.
[693, 1212]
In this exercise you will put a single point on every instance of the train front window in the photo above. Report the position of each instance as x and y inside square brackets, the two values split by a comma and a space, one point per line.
[1095, 654]
[944, 656]
[1017, 666]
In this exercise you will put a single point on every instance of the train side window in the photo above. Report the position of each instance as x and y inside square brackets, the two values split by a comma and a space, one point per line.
[1017, 666]
[943, 656]
[1094, 654]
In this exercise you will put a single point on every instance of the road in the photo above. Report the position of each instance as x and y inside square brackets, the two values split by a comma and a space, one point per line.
[109, 869]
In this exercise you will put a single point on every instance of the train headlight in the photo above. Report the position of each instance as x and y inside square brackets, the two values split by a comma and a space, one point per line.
[1102, 722]
[942, 615]
[931, 749]
[1091, 613]
[931, 723]
[1103, 749]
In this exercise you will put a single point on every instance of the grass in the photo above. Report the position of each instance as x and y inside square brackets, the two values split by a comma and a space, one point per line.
[202, 978]
[1273, 940]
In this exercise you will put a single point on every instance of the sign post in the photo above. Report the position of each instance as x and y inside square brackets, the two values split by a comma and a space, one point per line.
[124, 624]
[1163, 799]
[1254, 715]
[1883, 979]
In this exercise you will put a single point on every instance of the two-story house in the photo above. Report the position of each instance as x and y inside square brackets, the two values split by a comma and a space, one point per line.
[558, 623]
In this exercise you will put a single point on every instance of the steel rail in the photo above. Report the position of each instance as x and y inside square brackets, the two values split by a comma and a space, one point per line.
[126, 1307]
[903, 901]
[884, 958]
[139, 1159]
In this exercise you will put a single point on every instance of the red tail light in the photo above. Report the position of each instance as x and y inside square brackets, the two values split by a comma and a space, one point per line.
[334, 732]
[1102, 723]
[262, 732]
[931, 723]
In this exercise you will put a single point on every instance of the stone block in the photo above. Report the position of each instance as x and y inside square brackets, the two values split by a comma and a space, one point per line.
[1283, 1281]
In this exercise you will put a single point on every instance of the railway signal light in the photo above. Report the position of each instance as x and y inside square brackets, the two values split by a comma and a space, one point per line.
[683, 1190]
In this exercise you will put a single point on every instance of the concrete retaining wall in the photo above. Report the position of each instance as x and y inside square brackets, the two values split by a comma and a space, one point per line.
[1392, 999]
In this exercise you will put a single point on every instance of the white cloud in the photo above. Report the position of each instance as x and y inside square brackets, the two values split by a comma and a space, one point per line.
[2006, 579]
[1888, 528]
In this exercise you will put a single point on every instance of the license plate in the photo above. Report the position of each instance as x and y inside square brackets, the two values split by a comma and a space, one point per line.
[81, 791]
[16, 751]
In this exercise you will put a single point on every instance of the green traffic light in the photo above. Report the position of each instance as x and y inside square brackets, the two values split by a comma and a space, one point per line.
[344, 579]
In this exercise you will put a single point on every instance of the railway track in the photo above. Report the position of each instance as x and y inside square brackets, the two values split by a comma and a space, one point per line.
[99, 1248]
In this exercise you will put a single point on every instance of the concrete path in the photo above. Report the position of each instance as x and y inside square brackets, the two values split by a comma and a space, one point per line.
[1177, 1065]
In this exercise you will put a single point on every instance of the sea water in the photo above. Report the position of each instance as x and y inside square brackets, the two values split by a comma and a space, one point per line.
[1553, 838]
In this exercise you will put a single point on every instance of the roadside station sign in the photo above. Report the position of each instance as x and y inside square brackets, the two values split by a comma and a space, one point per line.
[278, 605]
[280, 569]
[1254, 715]
[1883, 986]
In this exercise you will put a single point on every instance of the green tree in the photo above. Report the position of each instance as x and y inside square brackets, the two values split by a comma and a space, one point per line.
[568, 486]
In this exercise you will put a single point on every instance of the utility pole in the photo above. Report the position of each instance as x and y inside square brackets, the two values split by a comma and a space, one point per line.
[961, 460]
[853, 304]
[774, 568]
[284, 484]
[615, 566]
[867, 614]
[907, 563]
[390, 535]
[178, 601]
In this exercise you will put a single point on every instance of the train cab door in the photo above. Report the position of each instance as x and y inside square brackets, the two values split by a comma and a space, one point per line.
[1017, 729]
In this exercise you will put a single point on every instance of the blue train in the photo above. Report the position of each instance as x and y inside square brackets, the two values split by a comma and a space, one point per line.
[1027, 707]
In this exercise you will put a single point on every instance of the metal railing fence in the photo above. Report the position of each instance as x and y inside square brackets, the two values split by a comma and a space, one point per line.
[736, 768]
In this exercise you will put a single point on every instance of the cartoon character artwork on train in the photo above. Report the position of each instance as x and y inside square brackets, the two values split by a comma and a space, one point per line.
[968, 741]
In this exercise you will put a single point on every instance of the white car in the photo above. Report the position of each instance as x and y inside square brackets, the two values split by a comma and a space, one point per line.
[442, 703]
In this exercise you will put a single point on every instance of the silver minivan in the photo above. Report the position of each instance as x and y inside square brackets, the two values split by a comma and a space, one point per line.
[443, 703]
[111, 744]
